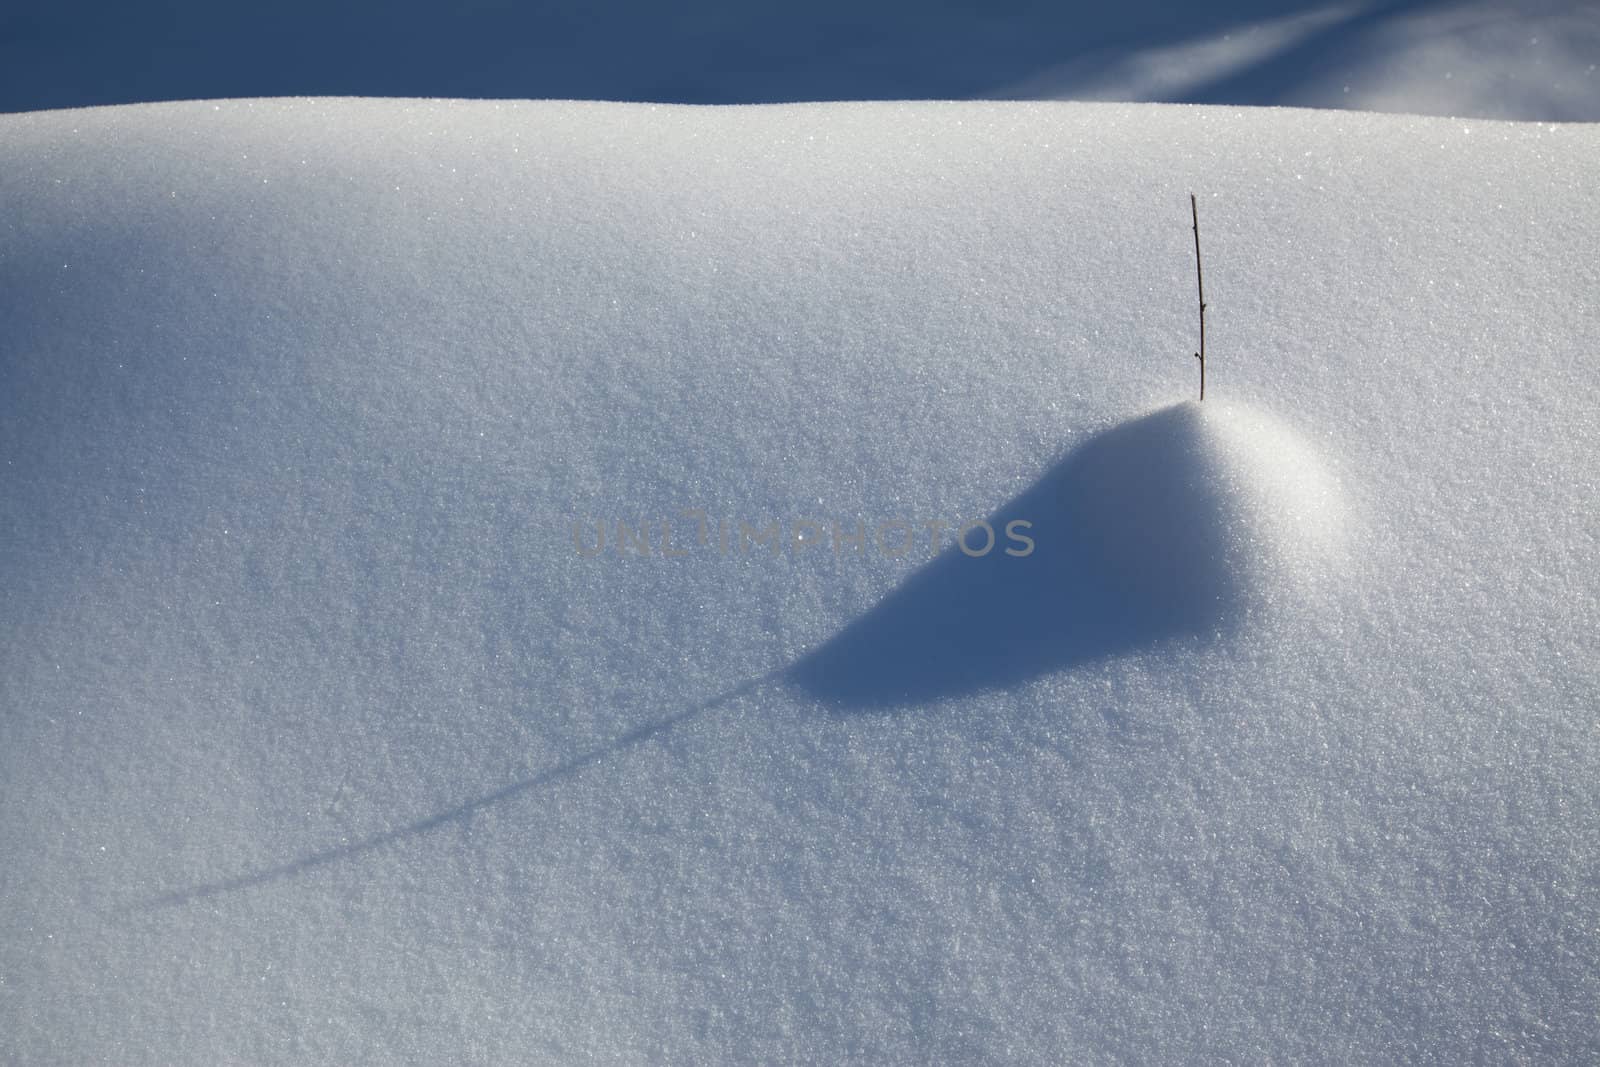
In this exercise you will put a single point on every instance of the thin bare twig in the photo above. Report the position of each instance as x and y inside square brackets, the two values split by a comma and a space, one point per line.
[1200, 286]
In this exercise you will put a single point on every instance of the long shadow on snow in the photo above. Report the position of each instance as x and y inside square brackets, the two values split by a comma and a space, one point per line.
[459, 813]
[1130, 547]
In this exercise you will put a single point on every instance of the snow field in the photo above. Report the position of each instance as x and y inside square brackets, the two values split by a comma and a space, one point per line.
[321, 740]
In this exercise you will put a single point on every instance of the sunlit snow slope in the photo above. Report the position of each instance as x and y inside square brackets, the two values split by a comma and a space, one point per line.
[399, 659]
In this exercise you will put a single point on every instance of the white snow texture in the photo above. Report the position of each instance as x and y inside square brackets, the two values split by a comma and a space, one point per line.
[344, 718]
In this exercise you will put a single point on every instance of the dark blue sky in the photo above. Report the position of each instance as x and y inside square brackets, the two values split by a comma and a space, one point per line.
[86, 53]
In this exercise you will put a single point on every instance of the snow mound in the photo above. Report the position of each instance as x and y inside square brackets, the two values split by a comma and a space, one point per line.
[1201, 511]
[1183, 523]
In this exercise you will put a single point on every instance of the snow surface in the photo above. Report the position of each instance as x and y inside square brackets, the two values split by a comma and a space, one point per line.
[326, 734]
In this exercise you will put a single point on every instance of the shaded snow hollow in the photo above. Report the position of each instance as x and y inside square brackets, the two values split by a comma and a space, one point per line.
[322, 740]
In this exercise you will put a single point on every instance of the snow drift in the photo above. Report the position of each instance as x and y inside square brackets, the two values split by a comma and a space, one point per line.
[321, 738]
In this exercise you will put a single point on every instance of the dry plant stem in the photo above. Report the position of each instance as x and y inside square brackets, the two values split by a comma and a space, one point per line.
[1200, 286]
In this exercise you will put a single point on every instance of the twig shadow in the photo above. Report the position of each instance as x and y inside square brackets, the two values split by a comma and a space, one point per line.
[1128, 548]
[461, 813]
